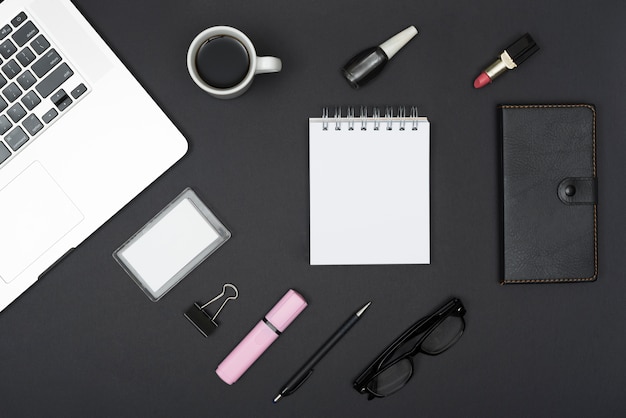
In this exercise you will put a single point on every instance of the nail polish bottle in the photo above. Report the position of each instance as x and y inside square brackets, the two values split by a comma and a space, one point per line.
[367, 64]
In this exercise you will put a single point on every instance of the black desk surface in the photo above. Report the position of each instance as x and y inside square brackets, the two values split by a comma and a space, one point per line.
[85, 341]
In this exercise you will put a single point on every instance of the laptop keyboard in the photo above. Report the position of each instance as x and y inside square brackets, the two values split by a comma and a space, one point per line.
[37, 85]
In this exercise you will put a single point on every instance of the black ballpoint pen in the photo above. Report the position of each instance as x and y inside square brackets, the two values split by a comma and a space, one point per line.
[307, 369]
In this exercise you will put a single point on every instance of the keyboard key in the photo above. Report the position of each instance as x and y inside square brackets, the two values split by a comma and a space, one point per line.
[4, 153]
[25, 34]
[3, 81]
[11, 69]
[62, 105]
[7, 48]
[58, 96]
[26, 80]
[40, 44]
[12, 92]
[78, 91]
[3, 105]
[18, 20]
[61, 100]
[16, 113]
[32, 124]
[51, 114]
[46, 63]
[5, 124]
[54, 80]
[16, 138]
[4, 32]
[30, 100]
[25, 56]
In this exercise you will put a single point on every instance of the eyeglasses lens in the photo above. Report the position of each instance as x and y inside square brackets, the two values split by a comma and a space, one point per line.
[392, 379]
[444, 336]
[395, 377]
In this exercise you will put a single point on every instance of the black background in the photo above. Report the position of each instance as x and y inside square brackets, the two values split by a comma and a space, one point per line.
[85, 341]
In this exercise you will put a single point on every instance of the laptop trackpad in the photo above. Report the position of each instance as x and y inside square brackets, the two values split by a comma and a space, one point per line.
[35, 213]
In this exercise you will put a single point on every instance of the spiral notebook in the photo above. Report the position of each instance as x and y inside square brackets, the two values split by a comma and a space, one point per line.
[369, 188]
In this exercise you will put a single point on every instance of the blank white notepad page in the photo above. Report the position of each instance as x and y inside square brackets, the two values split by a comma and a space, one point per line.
[369, 194]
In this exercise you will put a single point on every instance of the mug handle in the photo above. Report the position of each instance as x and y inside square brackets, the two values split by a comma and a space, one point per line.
[268, 65]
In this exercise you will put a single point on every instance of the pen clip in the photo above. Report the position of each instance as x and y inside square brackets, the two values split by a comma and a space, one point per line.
[300, 382]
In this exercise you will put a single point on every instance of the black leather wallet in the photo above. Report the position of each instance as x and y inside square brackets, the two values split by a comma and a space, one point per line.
[549, 190]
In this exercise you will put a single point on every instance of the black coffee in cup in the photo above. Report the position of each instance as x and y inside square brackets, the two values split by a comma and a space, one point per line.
[222, 62]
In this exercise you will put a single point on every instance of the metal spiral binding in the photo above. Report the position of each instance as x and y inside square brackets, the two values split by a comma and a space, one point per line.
[414, 116]
[363, 118]
[325, 117]
[389, 116]
[375, 118]
[350, 118]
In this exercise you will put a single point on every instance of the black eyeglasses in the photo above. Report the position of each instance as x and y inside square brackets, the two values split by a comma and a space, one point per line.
[394, 367]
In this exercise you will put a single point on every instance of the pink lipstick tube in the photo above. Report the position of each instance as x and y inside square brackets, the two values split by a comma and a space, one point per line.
[261, 337]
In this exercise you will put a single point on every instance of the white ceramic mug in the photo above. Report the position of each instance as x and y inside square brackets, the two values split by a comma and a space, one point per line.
[257, 65]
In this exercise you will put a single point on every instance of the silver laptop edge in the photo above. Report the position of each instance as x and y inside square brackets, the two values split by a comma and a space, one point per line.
[103, 150]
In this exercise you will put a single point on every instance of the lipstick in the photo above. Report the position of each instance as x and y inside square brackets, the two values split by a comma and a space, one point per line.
[511, 57]
[368, 63]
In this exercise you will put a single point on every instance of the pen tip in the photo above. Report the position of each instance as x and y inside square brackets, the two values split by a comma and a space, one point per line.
[360, 312]
[277, 398]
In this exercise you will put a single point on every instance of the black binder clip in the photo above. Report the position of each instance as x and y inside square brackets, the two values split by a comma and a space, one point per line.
[201, 319]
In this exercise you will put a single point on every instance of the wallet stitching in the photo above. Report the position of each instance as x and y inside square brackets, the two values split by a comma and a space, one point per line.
[595, 215]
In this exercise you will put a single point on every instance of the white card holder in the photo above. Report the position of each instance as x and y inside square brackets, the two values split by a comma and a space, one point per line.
[171, 245]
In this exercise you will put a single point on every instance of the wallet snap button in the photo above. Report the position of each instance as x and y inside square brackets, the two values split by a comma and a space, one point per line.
[578, 191]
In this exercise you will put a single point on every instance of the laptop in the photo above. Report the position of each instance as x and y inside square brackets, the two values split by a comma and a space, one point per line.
[79, 137]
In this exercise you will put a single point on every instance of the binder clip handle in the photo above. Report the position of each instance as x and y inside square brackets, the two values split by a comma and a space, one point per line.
[203, 320]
